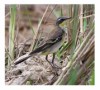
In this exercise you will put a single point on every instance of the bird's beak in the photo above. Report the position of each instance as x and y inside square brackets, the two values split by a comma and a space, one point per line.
[66, 18]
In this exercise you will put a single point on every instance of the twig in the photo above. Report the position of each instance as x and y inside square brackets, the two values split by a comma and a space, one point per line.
[49, 14]
[7, 14]
[89, 16]
[38, 28]
[81, 18]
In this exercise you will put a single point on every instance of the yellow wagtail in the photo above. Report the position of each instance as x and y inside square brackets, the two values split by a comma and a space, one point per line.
[53, 42]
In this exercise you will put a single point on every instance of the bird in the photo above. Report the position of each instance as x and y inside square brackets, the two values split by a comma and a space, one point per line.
[52, 43]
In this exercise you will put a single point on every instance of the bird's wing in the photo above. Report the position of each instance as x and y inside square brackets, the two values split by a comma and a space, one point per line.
[54, 37]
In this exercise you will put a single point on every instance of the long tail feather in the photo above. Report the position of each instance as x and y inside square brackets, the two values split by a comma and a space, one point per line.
[21, 59]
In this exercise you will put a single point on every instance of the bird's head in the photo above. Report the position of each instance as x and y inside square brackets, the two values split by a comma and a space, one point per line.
[60, 20]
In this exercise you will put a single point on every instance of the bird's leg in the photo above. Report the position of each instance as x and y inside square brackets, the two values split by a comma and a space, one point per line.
[48, 60]
[53, 58]
[52, 62]
[46, 57]
[54, 65]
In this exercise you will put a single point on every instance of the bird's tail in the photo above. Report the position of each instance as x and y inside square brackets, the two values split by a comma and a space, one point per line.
[22, 58]
[37, 50]
[26, 56]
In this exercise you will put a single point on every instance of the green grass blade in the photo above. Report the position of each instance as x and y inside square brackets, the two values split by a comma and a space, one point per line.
[12, 31]
[92, 78]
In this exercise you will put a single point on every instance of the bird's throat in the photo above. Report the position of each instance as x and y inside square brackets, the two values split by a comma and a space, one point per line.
[62, 24]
